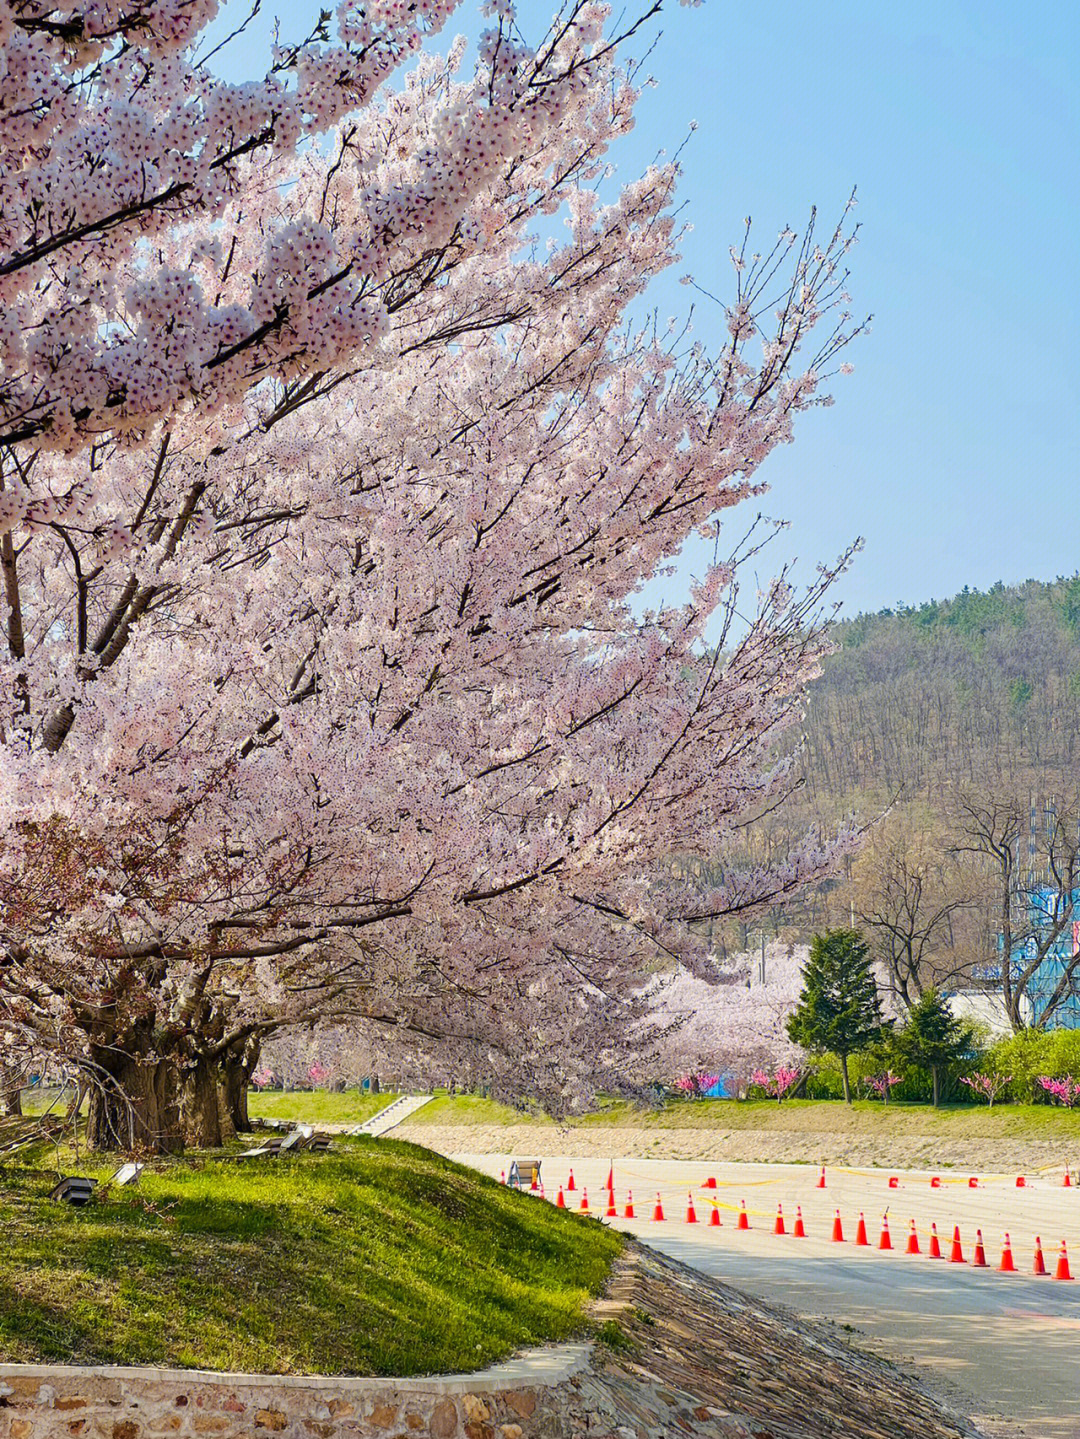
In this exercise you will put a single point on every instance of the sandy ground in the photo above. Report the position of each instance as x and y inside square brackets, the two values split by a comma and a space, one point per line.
[975, 1156]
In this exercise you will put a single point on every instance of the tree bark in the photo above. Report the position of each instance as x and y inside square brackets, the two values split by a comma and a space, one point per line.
[10, 1092]
[844, 1075]
[135, 1107]
[935, 1075]
[199, 1106]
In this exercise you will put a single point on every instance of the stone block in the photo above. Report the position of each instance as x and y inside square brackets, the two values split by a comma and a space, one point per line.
[342, 1409]
[66, 1402]
[475, 1410]
[414, 1420]
[521, 1401]
[125, 1429]
[272, 1419]
[165, 1424]
[384, 1416]
[443, 1423]
[509, 1431]
[21, 1429]
[210, 1423]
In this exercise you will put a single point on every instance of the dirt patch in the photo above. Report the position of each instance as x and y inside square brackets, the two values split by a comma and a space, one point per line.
[912, 1151]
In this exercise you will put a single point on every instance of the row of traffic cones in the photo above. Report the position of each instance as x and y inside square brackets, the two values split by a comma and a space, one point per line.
[956, 1251]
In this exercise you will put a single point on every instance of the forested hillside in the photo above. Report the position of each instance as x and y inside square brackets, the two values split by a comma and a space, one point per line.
[919, 694]
[951, 730]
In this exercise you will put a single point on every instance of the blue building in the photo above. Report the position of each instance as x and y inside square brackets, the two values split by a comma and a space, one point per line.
[1045, 906]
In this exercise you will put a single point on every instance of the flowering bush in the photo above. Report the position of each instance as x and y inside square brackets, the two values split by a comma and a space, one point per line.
[696, 1085]
[318, 1074]
[880, 1084]
[1066, 1091]
[262, 1077]
[777, 1084]
[987, 1086]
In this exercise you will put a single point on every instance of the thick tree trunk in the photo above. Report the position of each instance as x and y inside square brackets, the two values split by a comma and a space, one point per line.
[844, 1075]
[199, 1107]
[935, 1076]
[235, 1095]
[135, 1107]
[10, 1092]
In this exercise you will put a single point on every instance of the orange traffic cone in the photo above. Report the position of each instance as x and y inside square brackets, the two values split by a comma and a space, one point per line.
[658, 1208]
[628, 1212]
[821, 1179]
[744, 1222]
[714, 1217]
[691, 1213]
[560, 1202]
[710, 1183]
[778, 1226]
[534, 1186]
[913, 1241]
[799, 1232]
[884, 1242]
[1007, 1266]
[570, 1185]
[973, 1183]
[935, 1246]
[611, 1212]
[956, 1255]
[1062, 1271]
[502, 1176]
[935, 1183]
[979, 1261]
[894, 1182]
[584, 1205]
[541, 1191]
[1021, 1182]
[1067, 1183]
[860, 1232]
[837, 1230]
[1039, 1267]
[610, 1185]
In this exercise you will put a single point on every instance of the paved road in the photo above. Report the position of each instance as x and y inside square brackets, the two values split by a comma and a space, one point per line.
[1003, 1347]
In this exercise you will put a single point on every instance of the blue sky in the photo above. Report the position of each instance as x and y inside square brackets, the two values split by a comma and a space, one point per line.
[953, 447]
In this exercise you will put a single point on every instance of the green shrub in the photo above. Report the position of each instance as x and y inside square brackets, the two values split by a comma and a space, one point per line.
[1032, 1052]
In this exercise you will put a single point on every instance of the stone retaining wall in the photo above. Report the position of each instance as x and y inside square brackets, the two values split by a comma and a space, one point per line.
[38, 1402]
[681, 1356]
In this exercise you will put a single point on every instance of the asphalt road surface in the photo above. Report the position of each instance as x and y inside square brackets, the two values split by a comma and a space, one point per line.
[1005, 1348]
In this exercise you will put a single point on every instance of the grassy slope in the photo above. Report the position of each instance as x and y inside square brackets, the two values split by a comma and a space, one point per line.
[381, 1259]
[317, 1106]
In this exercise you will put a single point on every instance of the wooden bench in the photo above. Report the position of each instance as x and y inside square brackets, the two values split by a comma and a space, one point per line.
[524, 1173]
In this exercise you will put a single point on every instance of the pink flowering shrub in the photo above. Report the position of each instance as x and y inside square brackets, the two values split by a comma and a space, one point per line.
[696, 1085]
[777, 1084]
[987, 1086]
[880, 1084]
[318, 1074]
[1066, 1091]
[262, 1077]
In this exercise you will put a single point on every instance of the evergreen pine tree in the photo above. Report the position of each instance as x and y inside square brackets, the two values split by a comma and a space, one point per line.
[839, 1010]
[932, 1038]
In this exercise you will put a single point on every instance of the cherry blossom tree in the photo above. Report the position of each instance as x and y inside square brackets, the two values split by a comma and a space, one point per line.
[732, 1017]
[326, 502]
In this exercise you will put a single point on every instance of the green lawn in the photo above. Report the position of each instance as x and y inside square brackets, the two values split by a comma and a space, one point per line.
[864, 1117]
[316, 1106]
[381, 1259]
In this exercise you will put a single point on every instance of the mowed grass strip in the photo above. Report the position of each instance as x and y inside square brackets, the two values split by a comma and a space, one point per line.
[317, 1106]
[383, 1259]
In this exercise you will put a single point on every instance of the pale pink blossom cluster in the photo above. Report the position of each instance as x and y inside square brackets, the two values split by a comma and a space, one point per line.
[325, 691]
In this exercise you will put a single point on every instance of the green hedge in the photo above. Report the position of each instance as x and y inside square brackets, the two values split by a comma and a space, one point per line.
[1030, 1053]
